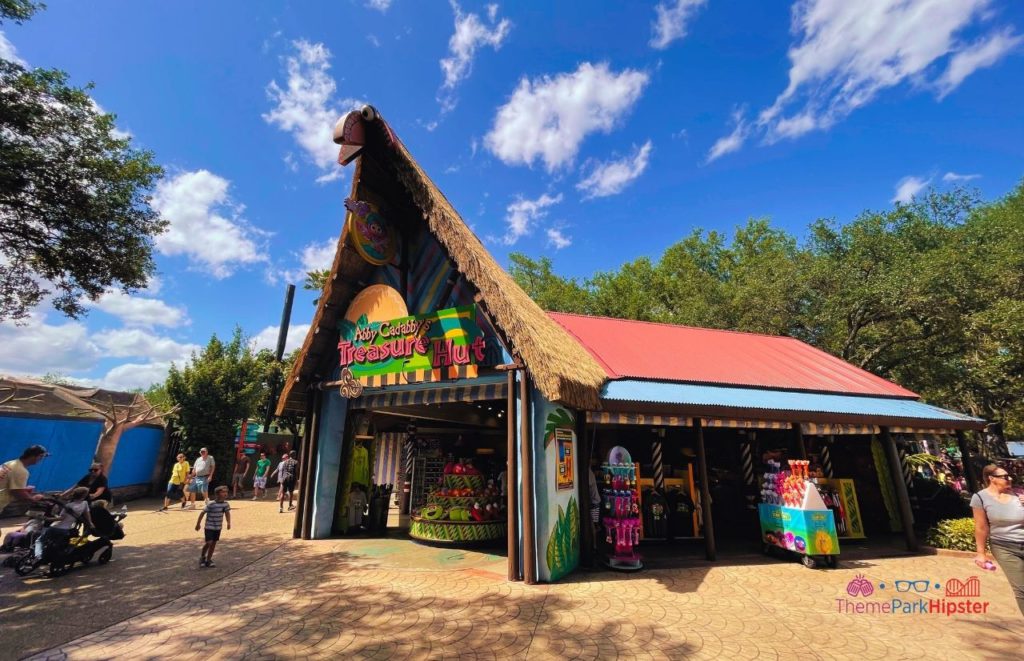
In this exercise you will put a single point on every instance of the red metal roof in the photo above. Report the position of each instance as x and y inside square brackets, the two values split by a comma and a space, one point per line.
[645, 350]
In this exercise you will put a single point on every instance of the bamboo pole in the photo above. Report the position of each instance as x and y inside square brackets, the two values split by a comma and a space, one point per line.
[529, 520]
[308, 467]
[902, 495]
[512, 483]
[705, 492]
[312, 420]
[583, 451]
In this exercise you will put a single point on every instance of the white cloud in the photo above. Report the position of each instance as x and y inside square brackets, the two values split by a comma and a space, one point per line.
[136, 343]
[671, 19]
[130, 376]
[845, 53]
[374, 41]
[557, 239]
[267, 338]
[983, 53]
[307, 108]
[194, 202]
[9, 52]
[314, 257]
[37, 347]
[732, 142]
[139, 310]
[548, 118]
[953, 177]
[908, 187]
[470, 34]
[612, 177]
[380, 5]
[522, 214]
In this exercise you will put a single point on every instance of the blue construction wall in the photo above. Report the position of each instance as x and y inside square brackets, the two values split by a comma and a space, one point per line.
[71, 444]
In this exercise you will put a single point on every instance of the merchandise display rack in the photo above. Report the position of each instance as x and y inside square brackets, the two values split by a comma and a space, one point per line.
[620, 510]
[794, 518]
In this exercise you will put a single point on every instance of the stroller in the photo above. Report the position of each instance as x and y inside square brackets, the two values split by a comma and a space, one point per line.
[60, 554]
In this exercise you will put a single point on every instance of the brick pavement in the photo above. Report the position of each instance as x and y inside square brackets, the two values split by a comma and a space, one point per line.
[388, 599]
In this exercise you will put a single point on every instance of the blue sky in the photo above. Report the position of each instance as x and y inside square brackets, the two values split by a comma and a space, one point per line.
[593, 133]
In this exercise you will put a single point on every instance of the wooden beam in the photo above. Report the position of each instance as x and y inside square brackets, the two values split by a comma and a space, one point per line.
[902, 496]
[526, 453]
[466, 415]
[705, 493]
[801, 447]
[583, 472]
[312, 427]
[965, 457]
[511, 483]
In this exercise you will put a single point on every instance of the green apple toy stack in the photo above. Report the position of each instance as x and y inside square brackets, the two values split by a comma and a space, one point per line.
[465, 508]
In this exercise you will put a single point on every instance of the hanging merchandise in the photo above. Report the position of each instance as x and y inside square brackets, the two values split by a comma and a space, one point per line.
[681, 514]
[620, 510]
[360, 464]
[794, 517]
[655, 515]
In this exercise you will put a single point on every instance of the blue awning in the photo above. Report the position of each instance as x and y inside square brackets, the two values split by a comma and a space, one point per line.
[765, 401]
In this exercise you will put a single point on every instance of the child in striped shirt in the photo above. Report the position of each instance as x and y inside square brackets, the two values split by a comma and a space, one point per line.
[216, 512]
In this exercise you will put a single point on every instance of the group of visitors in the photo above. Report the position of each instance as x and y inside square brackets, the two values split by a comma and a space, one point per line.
[188, 480]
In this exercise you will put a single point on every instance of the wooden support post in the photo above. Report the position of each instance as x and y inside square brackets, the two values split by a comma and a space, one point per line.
[529, 520]
[801, 446]
[902, 495]
[583, 473]
[307, 469]
[705, 492]
[312, 421]
[965, 457]
[512, 483]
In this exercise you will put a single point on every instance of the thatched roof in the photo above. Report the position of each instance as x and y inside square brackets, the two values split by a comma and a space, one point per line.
[559, 366]
[42, 400]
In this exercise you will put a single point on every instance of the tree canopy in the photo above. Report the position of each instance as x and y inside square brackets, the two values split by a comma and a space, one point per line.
[929, 294]
[75, 214]
[221, 385]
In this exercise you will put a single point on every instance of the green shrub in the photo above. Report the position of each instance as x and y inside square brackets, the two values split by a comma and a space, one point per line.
[955, 534]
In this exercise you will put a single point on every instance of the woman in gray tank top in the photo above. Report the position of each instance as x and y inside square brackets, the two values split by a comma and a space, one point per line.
[999, 520]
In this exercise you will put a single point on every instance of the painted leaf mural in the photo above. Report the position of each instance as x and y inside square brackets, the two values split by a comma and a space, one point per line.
[559, 418]
[564, 544]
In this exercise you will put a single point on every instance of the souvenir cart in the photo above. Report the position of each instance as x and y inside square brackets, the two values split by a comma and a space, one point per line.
[620, 510]
[794, 518]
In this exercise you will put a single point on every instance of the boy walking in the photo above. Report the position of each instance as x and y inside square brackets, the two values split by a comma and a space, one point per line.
[238, 475]
[216, 512]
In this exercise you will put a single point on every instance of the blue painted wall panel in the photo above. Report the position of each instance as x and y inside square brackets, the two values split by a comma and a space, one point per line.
[136, 456]
[71, 444]
[328, 462]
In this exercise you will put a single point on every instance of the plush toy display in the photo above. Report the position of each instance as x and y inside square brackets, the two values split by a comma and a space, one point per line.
[465, 507]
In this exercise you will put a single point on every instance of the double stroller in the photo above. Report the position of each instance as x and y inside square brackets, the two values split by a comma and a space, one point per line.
[61, 552]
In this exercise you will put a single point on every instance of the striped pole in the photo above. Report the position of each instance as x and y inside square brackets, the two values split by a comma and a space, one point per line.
[659, 466]
[408, 449]
[908, 472]
[826, 458]
[747, 463]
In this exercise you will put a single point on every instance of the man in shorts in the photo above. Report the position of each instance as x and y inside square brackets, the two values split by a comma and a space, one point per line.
[203, 469]
[285, 472]
[238, 474]
[259, 477]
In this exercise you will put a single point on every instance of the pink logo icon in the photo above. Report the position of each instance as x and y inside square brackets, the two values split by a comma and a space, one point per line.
[860, 586]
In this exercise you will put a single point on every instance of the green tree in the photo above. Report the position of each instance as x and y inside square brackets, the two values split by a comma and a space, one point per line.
[549, 291]
[316, 281]
[215, 391]
[75, 214]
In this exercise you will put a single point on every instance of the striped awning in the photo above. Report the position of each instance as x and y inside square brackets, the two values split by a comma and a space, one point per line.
[918, 430]
[420, 376]
[830, 428]
[606, 418]
[736, 423]
[386, 457]
[431, 396]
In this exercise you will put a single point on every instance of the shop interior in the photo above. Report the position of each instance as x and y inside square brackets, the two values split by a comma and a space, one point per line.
[671, 519]
[457, 453]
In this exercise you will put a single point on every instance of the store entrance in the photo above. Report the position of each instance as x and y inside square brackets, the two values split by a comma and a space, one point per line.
[436, 474]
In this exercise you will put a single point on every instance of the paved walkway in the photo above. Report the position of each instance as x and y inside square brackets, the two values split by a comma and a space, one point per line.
[385, 599]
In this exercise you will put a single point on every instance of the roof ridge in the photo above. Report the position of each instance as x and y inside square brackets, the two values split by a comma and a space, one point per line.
[671, 325]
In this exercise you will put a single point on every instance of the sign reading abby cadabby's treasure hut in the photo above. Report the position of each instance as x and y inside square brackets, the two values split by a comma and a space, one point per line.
[447, 344]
